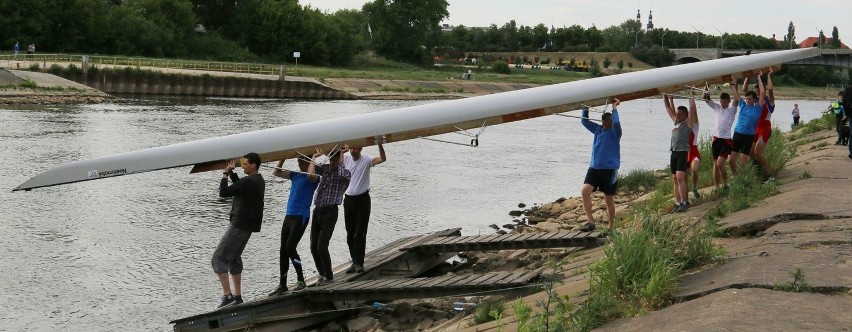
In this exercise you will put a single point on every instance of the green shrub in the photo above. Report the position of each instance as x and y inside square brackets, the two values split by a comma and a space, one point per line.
[34, 67]
[637, 179]
[501, 67]
[486, 310]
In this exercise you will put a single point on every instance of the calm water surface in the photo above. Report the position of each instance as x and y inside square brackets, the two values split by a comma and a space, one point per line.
[133, 252]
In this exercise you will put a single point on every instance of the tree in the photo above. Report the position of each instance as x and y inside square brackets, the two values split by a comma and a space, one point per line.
[406, 30]
[791, 34]
[835, 38]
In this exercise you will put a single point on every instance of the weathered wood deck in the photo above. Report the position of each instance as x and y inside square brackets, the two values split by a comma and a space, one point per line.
[391, 272]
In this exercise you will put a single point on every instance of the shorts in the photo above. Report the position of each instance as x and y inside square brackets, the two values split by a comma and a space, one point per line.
[678, 161]
[763, 130]
[227, 256]
[605, 180]
[742, 143]
[721, 147]
[693, 154]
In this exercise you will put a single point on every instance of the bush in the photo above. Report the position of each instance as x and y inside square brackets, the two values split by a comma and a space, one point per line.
[34, 67]
[501, 67]
[638, 178]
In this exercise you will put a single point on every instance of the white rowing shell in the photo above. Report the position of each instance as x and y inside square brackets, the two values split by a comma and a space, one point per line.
[416, 121]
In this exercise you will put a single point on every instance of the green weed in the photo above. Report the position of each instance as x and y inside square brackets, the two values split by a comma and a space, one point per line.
[638, 179]
[488, 310]
[798, 285]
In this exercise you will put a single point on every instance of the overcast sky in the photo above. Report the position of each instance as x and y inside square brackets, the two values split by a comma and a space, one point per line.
[706, 16]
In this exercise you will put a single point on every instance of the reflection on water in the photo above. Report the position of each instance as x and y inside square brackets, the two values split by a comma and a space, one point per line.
[135, 250]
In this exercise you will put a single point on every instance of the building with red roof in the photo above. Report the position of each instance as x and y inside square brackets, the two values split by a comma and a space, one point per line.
[813, 42]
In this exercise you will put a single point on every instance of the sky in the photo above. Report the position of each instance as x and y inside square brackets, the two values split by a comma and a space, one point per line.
[708, 17]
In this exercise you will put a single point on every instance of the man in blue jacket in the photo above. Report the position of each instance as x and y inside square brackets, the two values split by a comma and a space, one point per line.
[606, 159]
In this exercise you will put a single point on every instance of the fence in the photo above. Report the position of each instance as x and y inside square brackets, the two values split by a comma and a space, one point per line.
[231, 67]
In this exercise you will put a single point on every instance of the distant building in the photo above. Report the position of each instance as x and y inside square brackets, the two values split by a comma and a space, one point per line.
[446, 27]
[814, 42]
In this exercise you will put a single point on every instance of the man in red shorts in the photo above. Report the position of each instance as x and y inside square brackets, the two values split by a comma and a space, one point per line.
[721, 144]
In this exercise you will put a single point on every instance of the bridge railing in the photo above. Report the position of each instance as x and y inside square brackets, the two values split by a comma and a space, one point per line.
[232, 67]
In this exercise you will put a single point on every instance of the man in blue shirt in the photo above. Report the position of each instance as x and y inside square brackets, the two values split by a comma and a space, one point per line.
[606, 159]
[296, 219]
[744, 129]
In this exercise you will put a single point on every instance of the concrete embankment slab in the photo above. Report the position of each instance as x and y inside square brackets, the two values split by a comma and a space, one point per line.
[747, 310]
[812, 198]
[8, 78]
[46, 80]
[826, 267]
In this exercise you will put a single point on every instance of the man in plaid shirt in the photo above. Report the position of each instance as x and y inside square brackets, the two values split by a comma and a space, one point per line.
[334, 179]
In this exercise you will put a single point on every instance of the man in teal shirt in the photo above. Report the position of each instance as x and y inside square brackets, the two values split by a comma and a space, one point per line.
[837, 108]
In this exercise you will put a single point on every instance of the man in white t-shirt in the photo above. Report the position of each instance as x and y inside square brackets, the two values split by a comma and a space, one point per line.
[721, 144]
[356, 203]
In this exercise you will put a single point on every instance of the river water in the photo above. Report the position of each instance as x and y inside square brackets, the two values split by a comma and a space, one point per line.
[133, 252]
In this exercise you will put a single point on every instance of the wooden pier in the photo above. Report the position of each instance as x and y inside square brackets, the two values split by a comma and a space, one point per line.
[391, 272]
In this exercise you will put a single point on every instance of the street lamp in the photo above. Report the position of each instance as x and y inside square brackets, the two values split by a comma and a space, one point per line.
[662, 39]
[721, 35]
[697, 34]
[636, 43]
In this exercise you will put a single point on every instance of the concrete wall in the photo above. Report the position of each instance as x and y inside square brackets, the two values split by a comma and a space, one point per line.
[209, 86]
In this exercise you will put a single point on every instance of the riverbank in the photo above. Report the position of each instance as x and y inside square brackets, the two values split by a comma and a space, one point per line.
[781, 255]
[20, 87]
[25, 87]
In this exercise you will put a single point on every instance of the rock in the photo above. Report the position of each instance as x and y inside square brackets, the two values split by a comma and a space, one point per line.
[521, 205]
[402, 309]
[560, 200]
[515, 213]
[509, 226]
[362, 323]
[501, 232]
[517, 221]
[535, 220]
[549, 226]
[494, 226]
[424, 324]
[331, 327]
[568, 216]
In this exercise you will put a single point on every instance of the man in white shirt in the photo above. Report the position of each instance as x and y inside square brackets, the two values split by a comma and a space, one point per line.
[356, 203]
[721, 143]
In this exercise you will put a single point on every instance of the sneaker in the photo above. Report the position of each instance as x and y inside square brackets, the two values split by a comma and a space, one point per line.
[278, 291]
[323, 281]
[359, 268]
[769, 179]
[696, 193]
[226, 301]
[238, 299]
[676, 208]
[351, 269]
[684, 207]
[300, 285]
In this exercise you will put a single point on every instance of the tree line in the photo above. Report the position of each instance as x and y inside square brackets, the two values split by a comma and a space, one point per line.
[271, 30]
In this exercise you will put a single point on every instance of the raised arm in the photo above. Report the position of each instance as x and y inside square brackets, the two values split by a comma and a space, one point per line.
[692, 117]
[281, 172]
[616, 122]
[745, 84]
[770, 89]
[734, 91]
[668, 100]
[591, 126]
[381, 158]
[761, 91]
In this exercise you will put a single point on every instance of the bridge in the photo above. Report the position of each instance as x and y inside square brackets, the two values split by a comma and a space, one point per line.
[829, 57]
